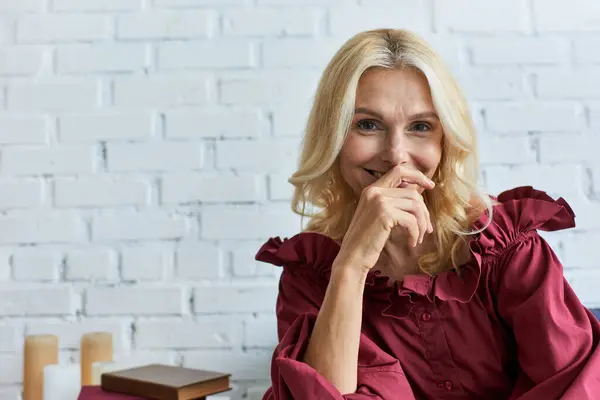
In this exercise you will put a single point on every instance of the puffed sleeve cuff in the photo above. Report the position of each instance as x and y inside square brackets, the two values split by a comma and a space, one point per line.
[382, 378]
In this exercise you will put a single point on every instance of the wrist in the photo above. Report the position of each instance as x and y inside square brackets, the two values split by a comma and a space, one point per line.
[346, 268]
[348, 259]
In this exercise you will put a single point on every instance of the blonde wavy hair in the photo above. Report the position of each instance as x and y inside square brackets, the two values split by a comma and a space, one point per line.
[318, 182]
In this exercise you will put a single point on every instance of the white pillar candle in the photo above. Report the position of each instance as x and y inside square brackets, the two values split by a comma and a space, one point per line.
[62, 382]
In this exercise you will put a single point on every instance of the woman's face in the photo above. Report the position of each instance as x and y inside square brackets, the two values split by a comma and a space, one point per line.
[394, 123]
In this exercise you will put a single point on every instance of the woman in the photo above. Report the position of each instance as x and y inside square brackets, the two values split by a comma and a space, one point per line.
[409, 282]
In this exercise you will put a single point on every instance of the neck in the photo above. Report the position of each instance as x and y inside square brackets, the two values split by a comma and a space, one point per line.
[398, 259]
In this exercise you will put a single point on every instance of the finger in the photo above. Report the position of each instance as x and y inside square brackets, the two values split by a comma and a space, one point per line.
[416, 208]
[430, 230]
[410, 193]
[400, 193]
[428, 218]
[426, 214]
[401, 173]
[409, 222]
[424, 228]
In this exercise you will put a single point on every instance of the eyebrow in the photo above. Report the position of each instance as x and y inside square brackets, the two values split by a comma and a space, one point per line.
[424, 114]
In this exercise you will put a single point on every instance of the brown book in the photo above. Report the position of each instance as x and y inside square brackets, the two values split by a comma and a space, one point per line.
[165, 382]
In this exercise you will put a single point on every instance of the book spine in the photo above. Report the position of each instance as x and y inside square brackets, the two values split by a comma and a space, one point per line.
[138, 388]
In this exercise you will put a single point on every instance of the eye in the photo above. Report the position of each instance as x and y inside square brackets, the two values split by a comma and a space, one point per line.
[421, 127]
[367, 125]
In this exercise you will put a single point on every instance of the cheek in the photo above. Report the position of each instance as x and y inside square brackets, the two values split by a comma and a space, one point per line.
[356, 152]
[430, 156]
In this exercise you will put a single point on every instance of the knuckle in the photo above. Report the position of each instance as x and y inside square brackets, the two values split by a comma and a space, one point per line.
[414, 203]
[378, 204]
[416, 195]
[418, 203]
[378, 200]
[369, 192]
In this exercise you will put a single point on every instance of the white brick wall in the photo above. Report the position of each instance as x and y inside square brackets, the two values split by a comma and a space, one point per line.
[239, 298]
[223, 54]
[28, 300]
[154, 156]
[260, 88]
[21, 129]
[268, 155]
[528, 50]
[166, 25]
[91, 264]
[100, 191]
[204, 332]
[161, 91]
[9, 335]
[50, 28]
[197, 261]
[146, 261]
[141, 300]
[20, 61]
[497, 17]
[187, 188]
[41, 96]
[292, 21]
[96, 5]
[21, 193]
[215, 123]
[83, 59]
[145, 148]
[104, 126]
[36, 264]
[41, 160]
[138, 226]
[42, 227]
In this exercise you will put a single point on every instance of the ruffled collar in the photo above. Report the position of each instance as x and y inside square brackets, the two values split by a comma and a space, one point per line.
[520, 210]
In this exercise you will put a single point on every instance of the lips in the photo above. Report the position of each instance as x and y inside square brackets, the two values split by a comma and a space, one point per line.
[376, 174]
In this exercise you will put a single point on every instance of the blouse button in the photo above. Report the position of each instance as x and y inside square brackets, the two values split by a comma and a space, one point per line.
[448, 385]
[426, 316]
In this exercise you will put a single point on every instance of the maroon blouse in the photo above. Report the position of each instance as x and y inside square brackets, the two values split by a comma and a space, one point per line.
[508, 326]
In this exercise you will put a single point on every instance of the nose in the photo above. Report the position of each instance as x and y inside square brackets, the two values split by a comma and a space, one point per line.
[396, 150]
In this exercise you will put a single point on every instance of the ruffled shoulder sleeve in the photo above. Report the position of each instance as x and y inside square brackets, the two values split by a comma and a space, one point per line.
[556, 336]
[520, 210]
[304, 252]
